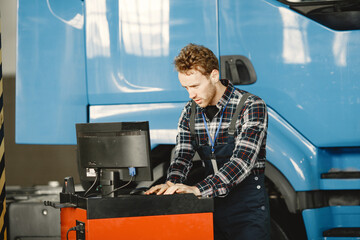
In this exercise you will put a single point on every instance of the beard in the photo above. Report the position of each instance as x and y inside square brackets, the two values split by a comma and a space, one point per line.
[207, 98]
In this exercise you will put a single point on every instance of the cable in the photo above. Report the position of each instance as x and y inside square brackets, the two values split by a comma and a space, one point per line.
[95, 194]
[96, 178]
[116, 189]
[76, 228]
[67, 233]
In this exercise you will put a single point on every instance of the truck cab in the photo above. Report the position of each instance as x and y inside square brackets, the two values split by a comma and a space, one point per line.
[111, 61]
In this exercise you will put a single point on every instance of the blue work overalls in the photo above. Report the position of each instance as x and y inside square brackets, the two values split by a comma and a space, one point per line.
[244, 212]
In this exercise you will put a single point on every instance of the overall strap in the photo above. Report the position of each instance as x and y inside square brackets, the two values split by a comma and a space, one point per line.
[239, 107]
[192, 118]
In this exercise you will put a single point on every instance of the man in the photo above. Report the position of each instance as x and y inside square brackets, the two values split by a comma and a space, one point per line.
[228, 128]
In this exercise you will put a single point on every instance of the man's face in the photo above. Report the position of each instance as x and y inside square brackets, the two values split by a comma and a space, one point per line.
[200, 88]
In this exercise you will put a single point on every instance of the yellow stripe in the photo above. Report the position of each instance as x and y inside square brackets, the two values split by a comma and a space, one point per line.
[2, 150]
[2, 185]
[3, 216]
[1, 86]
[1, 118]
[2, 180]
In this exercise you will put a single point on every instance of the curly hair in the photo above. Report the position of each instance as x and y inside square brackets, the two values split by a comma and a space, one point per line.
[196, 57]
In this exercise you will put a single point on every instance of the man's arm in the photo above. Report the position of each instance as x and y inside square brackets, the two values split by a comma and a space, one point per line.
[182, 162]
[184, 151]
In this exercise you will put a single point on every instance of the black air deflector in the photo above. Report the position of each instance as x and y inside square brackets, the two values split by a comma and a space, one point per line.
[338, 15]
[342, 232]
[340, 175]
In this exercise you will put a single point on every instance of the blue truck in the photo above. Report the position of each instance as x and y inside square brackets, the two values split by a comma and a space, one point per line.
[111, 61]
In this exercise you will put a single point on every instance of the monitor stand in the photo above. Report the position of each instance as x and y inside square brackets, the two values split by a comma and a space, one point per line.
[108, 177]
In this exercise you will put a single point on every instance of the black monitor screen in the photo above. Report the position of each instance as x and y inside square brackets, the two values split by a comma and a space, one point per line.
[116, 146]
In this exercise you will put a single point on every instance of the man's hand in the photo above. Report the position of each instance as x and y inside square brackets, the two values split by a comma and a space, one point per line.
[159, 189]
[182, 188]
[170, 188]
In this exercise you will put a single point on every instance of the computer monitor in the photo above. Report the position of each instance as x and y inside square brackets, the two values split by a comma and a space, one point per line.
[110, 149]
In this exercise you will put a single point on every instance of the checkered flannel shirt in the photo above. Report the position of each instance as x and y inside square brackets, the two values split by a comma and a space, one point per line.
[250, 142]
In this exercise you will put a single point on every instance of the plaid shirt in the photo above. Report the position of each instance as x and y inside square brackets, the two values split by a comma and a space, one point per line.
[250, 142]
